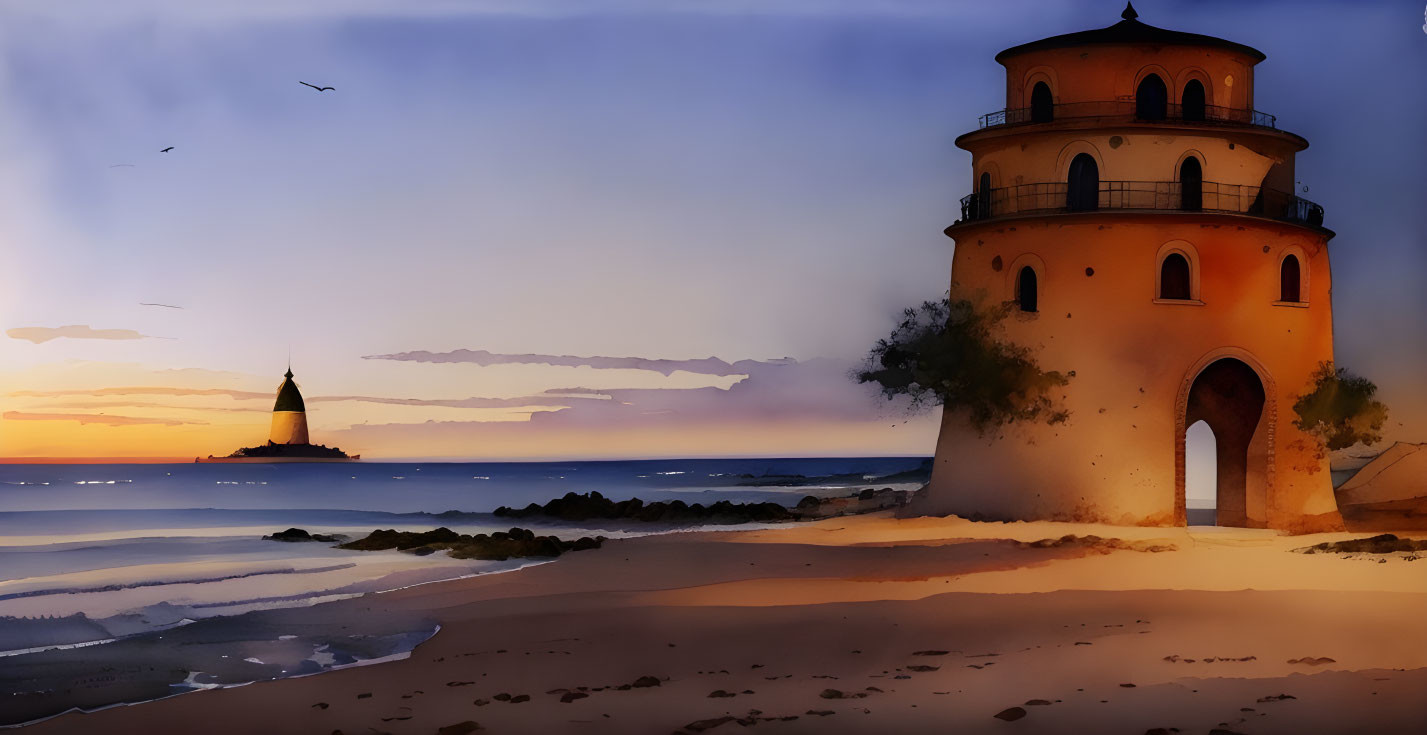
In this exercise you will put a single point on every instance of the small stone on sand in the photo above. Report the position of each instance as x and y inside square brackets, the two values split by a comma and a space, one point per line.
[1011, 714]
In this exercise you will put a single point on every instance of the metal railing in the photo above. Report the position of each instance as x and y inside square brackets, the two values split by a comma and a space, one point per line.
[1169, 196]
[1127, 111]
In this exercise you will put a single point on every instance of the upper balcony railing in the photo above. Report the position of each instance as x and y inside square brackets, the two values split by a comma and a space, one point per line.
[1169, 196]
[1118, 111]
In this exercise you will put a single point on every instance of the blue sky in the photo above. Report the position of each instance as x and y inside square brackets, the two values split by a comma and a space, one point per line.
[664, 180]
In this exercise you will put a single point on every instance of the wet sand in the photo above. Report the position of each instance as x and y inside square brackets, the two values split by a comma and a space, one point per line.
[872, 624]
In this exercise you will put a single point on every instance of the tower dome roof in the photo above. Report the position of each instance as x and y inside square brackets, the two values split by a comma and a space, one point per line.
[288, 397]
[1126, 32]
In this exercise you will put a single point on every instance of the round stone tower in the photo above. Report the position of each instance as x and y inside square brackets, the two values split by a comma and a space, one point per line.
[1140, 217]
[289, 414]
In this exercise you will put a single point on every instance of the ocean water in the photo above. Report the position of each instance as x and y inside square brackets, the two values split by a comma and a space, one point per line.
[98, 552]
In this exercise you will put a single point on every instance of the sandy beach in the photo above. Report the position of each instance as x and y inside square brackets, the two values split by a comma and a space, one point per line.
[870, 624]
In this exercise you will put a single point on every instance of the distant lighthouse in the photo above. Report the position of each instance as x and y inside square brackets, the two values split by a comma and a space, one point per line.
[289, 414]
[288, 440]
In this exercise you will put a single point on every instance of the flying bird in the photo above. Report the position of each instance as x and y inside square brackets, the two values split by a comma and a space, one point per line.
[166, 306]
[314, 86]
[166, 150]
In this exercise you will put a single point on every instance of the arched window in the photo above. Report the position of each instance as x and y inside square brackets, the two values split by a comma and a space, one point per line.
[1026, 294]
[1042, 106]
[1174, 278]
[1191, 185]
[1082, 191]
[1151, 98]
[1191, 102]
[983, 196]
[1290, 280]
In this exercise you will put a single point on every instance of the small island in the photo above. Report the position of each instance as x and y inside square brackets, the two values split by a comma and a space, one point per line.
[288, 440]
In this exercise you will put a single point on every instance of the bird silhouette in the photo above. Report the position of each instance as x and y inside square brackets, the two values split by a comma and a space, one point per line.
[166, 306]
[314, 86]
[166, 150]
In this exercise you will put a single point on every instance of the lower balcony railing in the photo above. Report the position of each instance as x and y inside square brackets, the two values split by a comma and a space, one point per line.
[1128, 111]
[1170, 196]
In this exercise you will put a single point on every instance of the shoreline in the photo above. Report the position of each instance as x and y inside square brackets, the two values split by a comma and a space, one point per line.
[855, 598]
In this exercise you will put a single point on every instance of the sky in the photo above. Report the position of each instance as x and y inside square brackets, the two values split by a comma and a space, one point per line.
[484, 241]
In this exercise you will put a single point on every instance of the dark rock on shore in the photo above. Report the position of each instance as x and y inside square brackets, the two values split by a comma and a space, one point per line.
[1381, 544]
[298, 534]
[1010, 714]
[499, 546]
[594, 506]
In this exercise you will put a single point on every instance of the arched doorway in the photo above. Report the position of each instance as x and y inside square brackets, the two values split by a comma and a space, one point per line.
[1042, 106]
[1151, 98]
[1191, 102]
[1082, 190]
[1229, 397]
[1191, 185]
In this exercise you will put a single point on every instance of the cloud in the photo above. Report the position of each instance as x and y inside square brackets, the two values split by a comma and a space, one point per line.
[40, 335]
[704, 366]
[145, 390]
[820, 389]
[473, 402]
[149, 404]
[95, 418]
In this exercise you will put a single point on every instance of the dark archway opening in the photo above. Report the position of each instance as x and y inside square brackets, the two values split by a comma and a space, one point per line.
[1026, 294]
[1042, 105]
[1229, 397]
[1174, 281]
[1290, 280]
[1191, 185]
[1082, 191]
[1191, 103]
[1151, 98]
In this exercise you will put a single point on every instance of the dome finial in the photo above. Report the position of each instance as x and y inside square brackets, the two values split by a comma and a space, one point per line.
[1129, 13]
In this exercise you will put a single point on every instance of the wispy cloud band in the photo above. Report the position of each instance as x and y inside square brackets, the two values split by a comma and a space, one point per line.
[40, 335]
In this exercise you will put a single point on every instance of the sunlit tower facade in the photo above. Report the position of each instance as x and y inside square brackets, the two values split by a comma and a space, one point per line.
[1141, 219]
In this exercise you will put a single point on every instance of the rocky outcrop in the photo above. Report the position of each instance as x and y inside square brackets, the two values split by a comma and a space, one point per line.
[1389, 492]
[594, 506]
[498, 546]
[298, 534]
[1400, 473]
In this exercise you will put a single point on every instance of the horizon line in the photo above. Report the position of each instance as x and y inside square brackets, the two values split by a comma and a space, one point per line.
[452, 460]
